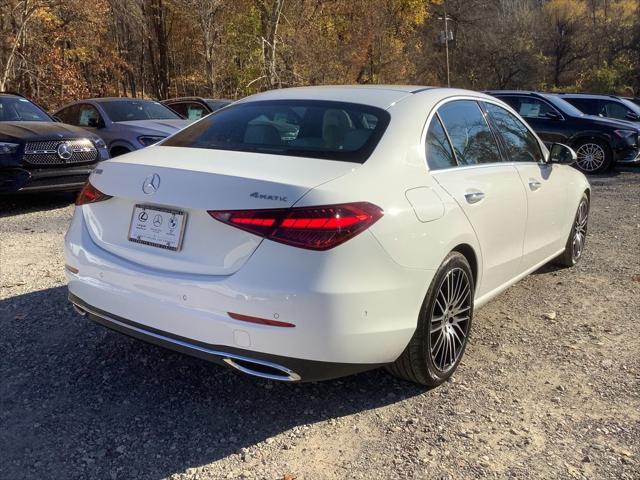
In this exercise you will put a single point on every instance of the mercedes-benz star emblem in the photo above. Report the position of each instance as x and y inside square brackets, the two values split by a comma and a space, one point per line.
[151, 184]
[64, 151]
[157, 220]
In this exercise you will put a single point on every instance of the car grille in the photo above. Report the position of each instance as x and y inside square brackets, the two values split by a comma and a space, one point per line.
[49, 152]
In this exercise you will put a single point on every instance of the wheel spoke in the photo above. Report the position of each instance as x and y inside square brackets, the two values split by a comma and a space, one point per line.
[450, 317]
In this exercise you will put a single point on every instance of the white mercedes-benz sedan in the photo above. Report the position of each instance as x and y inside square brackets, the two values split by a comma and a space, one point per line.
[310, 233]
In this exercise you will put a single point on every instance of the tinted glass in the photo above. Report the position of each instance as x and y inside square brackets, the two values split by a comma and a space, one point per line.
[69, 115]
[615, 110]
[89, 116]
[195, 111]
[534, 108]
[588, 106]
[472, 139]
[631, 106]
[15, 109]
[562, 105]
[439, 151]
[217, 104]
[180, 108]
[304, 128]
[521, 144]
[129, 110]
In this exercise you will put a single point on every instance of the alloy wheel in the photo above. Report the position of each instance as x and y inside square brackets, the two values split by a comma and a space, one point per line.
[580, 230]
[450, 319]
[591, 157]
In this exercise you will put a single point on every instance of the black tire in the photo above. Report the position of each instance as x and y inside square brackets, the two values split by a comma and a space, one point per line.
[594, 156]
[417, 363]
[571, 254]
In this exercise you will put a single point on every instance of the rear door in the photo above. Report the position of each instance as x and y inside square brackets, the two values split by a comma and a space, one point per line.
[545, 186]
[489, 191]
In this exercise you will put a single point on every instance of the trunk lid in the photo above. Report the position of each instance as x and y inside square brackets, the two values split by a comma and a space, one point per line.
[193, 181]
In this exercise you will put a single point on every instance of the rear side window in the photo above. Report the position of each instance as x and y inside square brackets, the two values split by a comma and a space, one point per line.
[439, 152]
[521, 144]
[534, 108]
[305, 128]
[472, 139]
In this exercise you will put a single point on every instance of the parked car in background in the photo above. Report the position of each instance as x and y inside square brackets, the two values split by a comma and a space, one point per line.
[40, 154]
[635, 100]
[364, 238]
[125, 124]
[194, 108]
[599, 142]
[609, 106]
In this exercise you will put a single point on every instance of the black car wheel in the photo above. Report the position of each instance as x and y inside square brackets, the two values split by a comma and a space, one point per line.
[594, 156]
[437, 345]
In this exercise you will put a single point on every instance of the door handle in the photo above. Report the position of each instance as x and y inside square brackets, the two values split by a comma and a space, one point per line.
[474, 197]
[534, 185]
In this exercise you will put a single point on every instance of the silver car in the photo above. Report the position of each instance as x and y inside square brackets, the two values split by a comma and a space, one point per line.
[125, 124]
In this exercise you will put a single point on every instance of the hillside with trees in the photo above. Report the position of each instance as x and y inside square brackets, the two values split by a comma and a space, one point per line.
[58, 50]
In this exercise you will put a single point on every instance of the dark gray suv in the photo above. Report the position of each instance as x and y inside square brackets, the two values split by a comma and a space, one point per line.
[125, 124]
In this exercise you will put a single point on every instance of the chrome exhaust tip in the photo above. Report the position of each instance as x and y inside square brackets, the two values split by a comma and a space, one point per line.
[80, 311]
[262, 369]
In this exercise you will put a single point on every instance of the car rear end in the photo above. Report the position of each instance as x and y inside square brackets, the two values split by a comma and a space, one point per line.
[214, 252]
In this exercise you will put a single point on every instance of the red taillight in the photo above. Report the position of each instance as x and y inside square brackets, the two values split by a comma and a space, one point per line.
[90, 194]
[314, 228]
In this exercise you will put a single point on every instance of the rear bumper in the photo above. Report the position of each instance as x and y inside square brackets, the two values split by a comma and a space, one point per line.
[271, 367]
[19, 180]
[353, 310]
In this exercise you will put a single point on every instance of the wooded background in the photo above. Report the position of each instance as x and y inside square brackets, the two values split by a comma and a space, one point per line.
[60, 50]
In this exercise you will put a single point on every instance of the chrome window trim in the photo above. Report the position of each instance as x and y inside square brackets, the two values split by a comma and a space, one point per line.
[495, 101]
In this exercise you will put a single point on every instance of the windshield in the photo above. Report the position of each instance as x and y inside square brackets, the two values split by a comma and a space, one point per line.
[564, 106]
[16, 109]
[304, 128]
[217, 104]
[130, 110]
[632, 106]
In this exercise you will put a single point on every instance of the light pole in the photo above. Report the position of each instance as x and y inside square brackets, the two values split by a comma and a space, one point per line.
[446, 41]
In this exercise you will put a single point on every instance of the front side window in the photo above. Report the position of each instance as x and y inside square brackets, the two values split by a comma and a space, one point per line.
[16, 109]
[585, 105]
[615, 110]
[195, 111]
[471, 137]
[69, 115]
[304, 128]
[521, 144]
[438, 149]
[89, 116]
[131, 110]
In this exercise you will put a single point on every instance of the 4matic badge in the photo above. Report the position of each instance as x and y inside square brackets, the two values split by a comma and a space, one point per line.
[263, 196]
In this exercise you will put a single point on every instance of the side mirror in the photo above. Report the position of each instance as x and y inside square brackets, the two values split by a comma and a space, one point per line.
[560, 153]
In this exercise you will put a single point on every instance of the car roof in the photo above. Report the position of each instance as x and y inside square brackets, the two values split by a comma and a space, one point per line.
[381, 96]
[201, 99]
[114, 99]
[594, 96]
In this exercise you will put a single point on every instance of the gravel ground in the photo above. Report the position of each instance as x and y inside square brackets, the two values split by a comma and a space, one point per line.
[549, 387]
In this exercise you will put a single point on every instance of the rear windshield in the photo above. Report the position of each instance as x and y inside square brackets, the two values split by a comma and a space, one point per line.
[306, 128]
[129, 110]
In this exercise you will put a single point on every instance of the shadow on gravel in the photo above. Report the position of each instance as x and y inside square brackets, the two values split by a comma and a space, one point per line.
[80, 401]
[11, 205]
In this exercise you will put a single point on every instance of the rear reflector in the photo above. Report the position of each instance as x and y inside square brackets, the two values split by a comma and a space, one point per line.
[90, 194]
[314, 228]
[261, 321]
